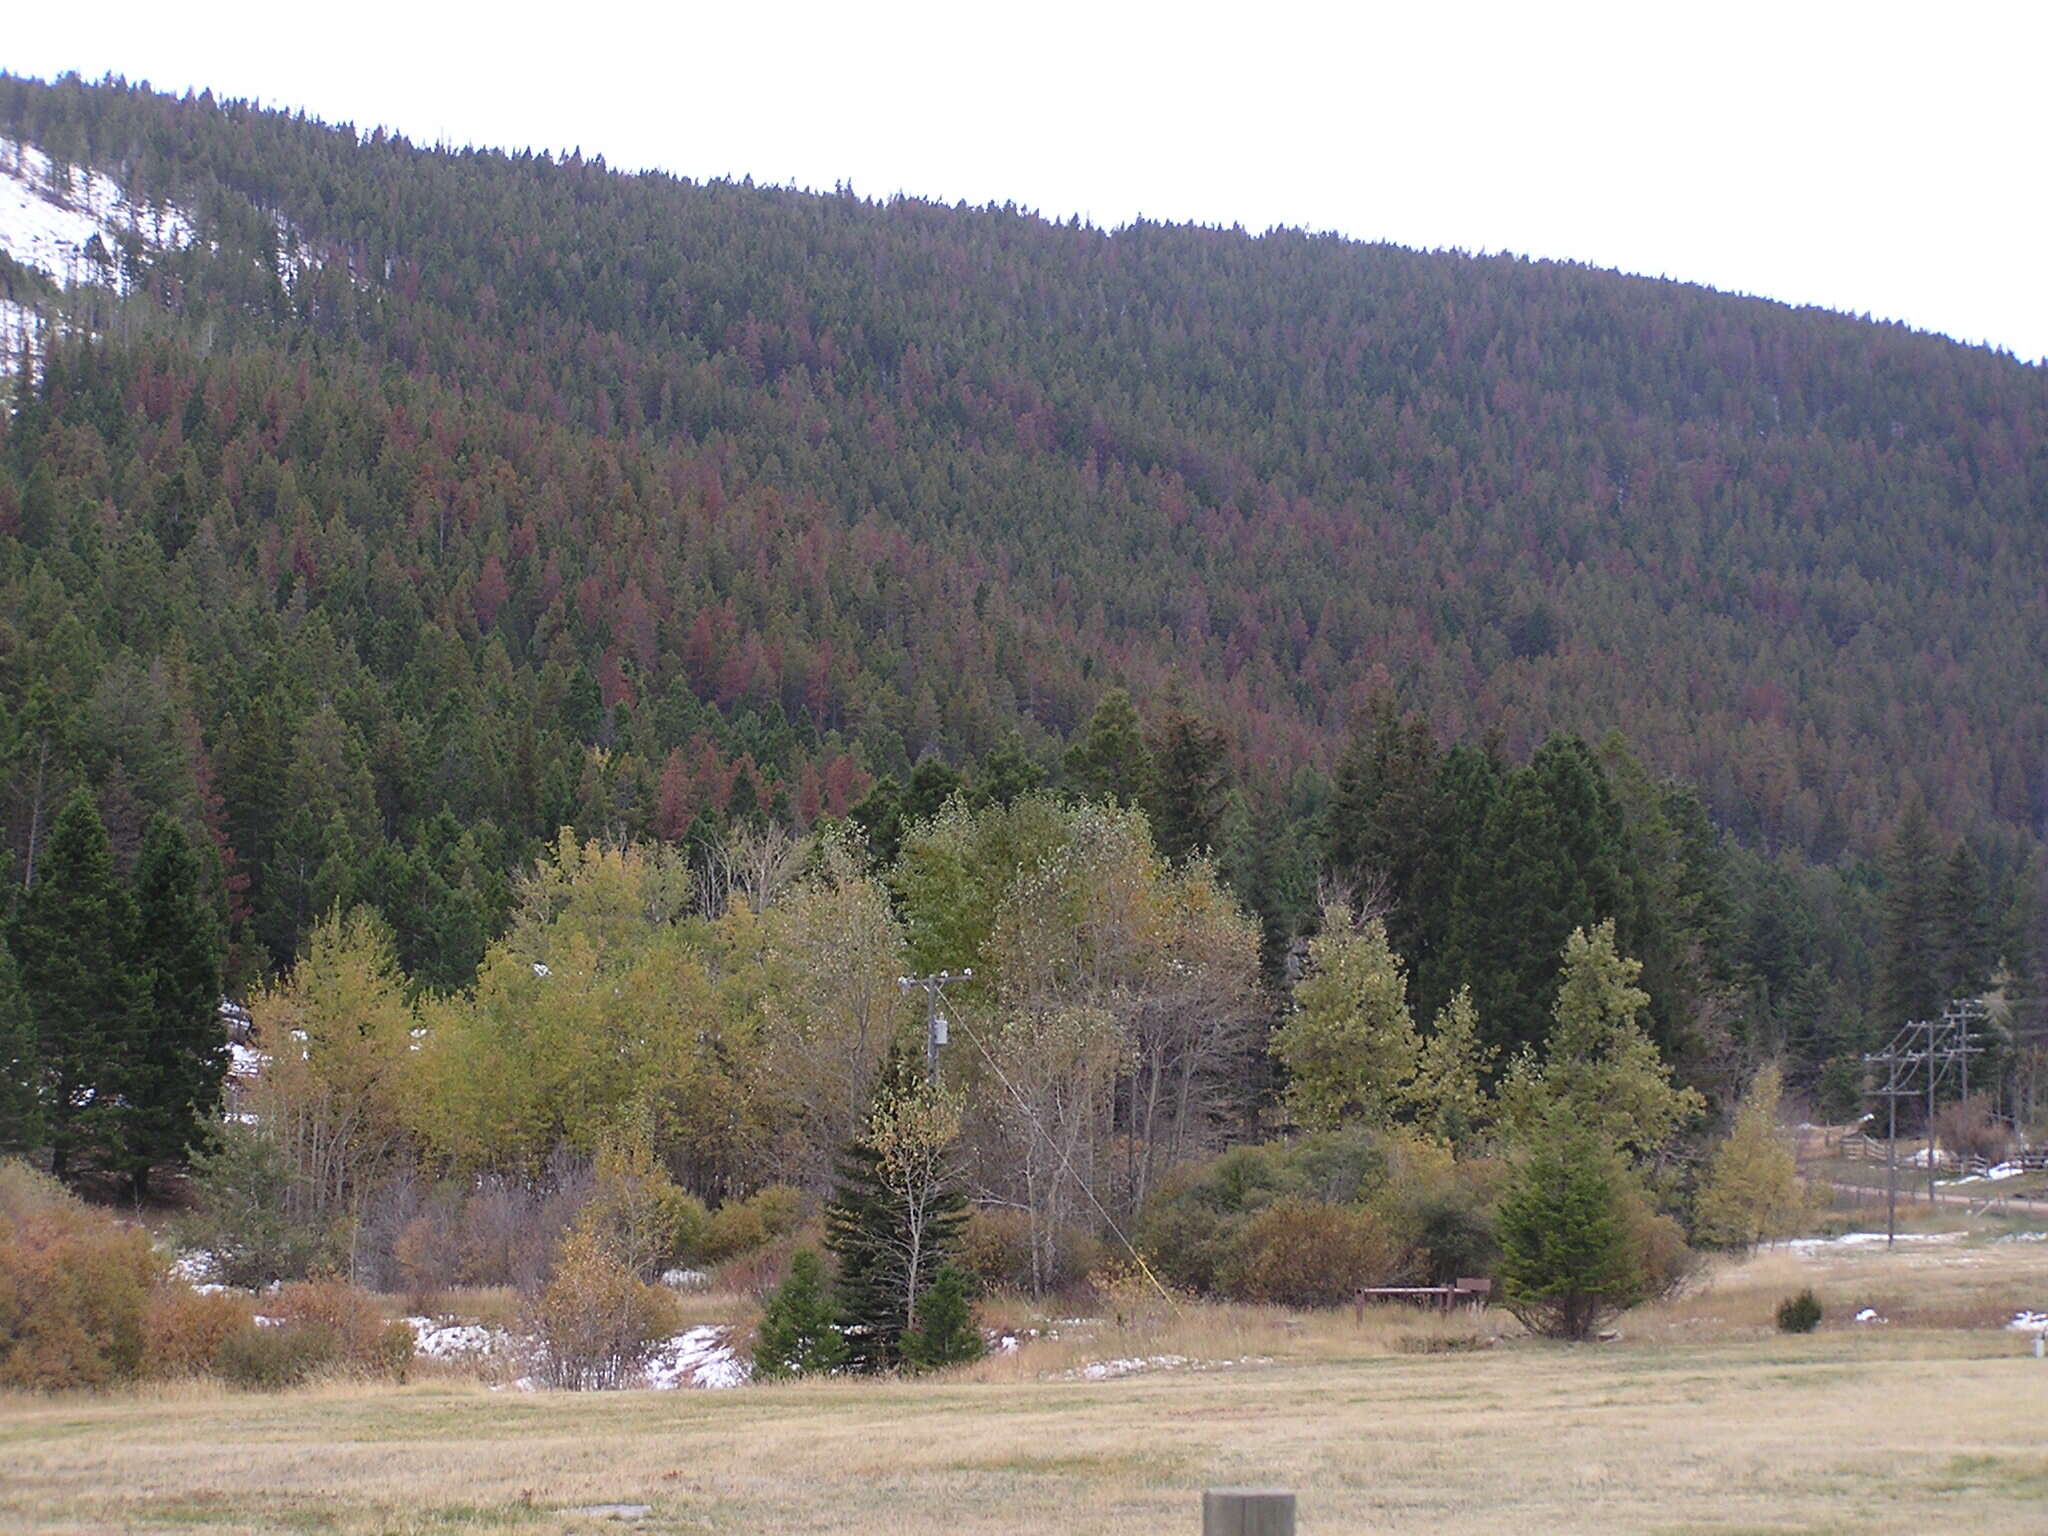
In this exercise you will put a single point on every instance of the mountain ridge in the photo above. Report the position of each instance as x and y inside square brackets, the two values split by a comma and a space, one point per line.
[912, 478]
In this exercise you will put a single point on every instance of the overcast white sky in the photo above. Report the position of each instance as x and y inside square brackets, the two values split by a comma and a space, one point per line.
[1877, 158]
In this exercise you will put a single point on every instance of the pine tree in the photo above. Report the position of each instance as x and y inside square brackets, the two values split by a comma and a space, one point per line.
[1909, 965]
[1549, 860]
[21, 1068]
[1568, 1256]
[37, 761]
[1190, 784]
[175, 1090]
[1447, 1094]
[895, 1213]
[1964, 937]
[1600, 1070]
[74, 940]
[1111, 761]
[1383, 818]
[1349, 1047]
[797, 1336]
[945, 1333]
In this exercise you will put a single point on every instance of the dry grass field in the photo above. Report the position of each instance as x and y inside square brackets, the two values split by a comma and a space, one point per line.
[1700, 1417]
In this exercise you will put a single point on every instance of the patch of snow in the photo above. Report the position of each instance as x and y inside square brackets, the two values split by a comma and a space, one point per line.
[1991, 1174]
[685, 1279]
[2022, 1237]
[1111, 1370]
[703, 1358]
[1868, 1315]
[433, 1340]
[1865, 1240]
[2029, 1322]
[243, 1062]
[195, 1268]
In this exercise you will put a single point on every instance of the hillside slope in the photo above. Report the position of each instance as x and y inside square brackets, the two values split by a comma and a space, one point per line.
[514, 487]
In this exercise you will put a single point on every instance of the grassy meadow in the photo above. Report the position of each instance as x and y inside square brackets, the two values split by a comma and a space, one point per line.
[1699, 1417]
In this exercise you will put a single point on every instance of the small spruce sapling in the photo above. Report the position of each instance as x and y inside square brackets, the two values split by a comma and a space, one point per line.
[797, 1336]
[945, 1333]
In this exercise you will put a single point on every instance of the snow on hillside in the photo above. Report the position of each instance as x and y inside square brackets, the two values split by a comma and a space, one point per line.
[50, 220]
[72, 227]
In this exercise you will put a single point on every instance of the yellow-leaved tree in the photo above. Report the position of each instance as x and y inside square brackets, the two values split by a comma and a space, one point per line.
[332, 1096]
[1752, 1192]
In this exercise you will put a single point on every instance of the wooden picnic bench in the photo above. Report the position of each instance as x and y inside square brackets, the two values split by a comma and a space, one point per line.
[1468, 1290]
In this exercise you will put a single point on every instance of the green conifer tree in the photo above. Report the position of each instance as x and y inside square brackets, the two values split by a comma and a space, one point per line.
[1909, 964]
[895, 1213]
[1111, 761]
[174, 1092]
[1752, 1189]
[1964, 936]
[1568, 1257]
[21, 1067]
[945, 1333]
[797, 1336]
[1190, 784]
[74, 940]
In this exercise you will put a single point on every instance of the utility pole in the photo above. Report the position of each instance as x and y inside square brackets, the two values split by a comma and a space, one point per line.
[934, 1015]
[1920, 1056]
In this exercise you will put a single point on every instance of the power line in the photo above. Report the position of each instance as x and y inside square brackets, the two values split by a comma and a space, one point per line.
[1923, 1055]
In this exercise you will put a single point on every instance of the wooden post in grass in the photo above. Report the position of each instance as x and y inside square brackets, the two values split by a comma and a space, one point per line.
[1247, 1512]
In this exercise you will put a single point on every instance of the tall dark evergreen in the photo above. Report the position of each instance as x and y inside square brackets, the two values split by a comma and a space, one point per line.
[1190, 783]
[74, 942]
[1111, 760]
[1468, 783]
[1910, 964]
[174, 1084]
[1965, 936]
[1383, 823]
[891, 1234]
[21, 1066]
[1548, 859]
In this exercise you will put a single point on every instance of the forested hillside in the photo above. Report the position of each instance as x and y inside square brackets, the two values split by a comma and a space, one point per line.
[410, 505]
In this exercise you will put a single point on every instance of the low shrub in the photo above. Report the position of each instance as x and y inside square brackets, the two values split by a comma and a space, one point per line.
[428, 1255]
[995, 1250]
[1454, 1237]
[735, 1228]
[187, 1334]
[74, 1288]
[598, 1322]
[273, 1359]
[738, 1227]
[1302, 1253]
[364, 1341]
[641, 1214]
[1969, 1128]
[1197, 1230]
[1799, 1314]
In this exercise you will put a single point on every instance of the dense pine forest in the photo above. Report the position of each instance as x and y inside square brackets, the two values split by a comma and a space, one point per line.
[425, 503]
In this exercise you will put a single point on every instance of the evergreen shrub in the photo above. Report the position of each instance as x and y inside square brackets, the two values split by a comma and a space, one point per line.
[1799, 1314]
